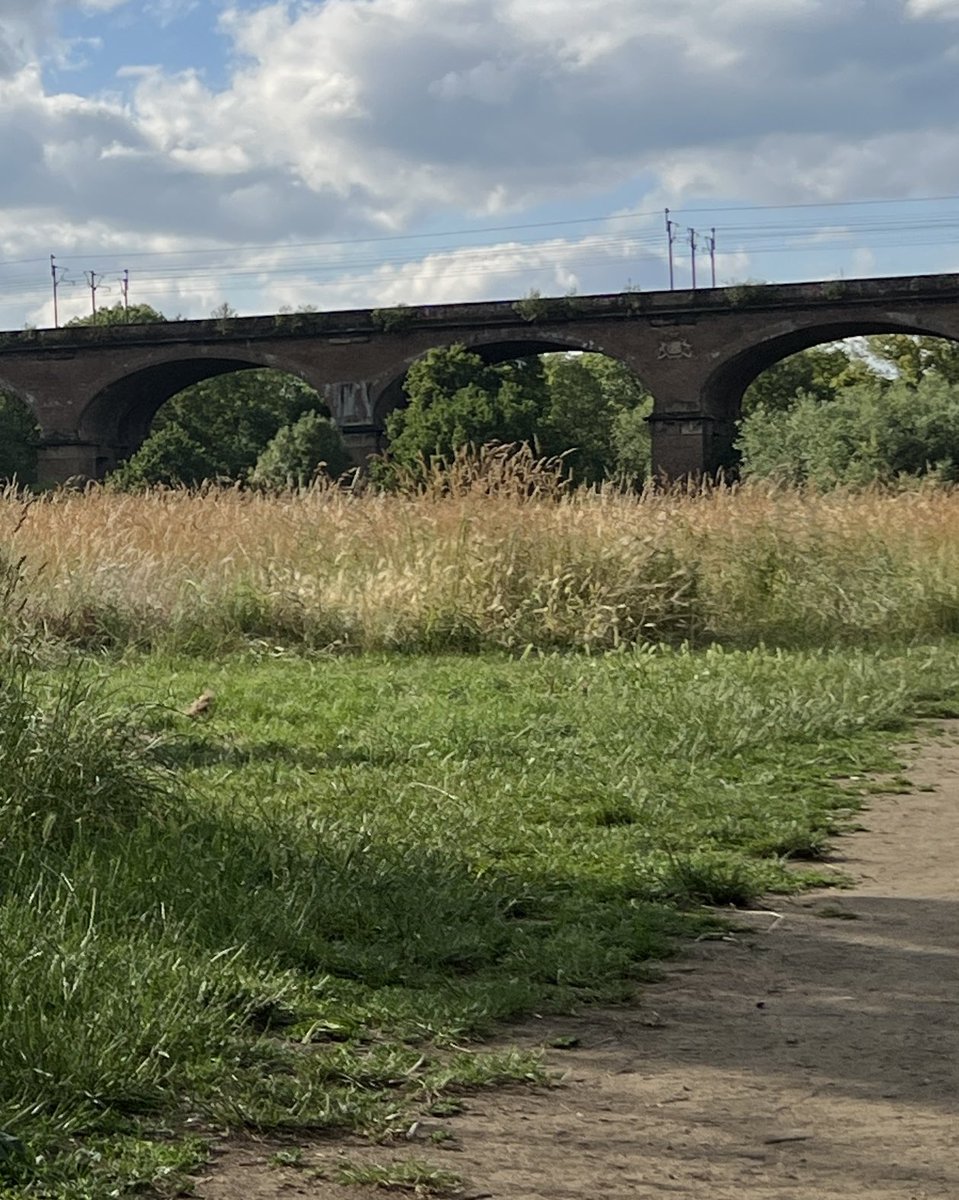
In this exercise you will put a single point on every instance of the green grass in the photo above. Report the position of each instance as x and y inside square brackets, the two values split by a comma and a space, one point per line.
[306, 911]
[411, 1175]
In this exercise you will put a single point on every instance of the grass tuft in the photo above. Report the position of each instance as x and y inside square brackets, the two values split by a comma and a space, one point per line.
[412, 1175]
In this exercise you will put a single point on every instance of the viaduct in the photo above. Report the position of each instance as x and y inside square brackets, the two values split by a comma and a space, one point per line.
[95, 390]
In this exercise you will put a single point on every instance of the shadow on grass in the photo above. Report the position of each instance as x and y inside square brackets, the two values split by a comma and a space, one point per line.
[197, 752]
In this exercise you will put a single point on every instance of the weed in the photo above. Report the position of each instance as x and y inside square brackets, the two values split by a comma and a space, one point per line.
[442, 1137]
[740, 295]
[445, 1108]
[533, 306]
[292, 1157]
[392, 320]
[413, 1175]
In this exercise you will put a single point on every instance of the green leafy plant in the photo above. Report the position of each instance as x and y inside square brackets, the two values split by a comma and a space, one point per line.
[412, 1175]
[532, 307]
[740, 295]
[392, 320]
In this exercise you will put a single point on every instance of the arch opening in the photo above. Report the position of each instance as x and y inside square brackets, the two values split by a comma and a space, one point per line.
[197, 420]
[19, 436]
[869, 407]
[557, 394]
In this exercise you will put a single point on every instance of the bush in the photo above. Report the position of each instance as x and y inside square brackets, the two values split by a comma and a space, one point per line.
[299, 452]
[872, 432]
[169, 457]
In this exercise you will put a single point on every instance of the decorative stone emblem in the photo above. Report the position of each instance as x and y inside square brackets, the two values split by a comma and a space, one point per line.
[676, 348]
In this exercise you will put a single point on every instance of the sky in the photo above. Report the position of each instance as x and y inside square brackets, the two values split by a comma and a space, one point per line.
[353, 153]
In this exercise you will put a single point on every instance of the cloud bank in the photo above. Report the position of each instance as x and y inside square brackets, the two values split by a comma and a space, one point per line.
[353, 117]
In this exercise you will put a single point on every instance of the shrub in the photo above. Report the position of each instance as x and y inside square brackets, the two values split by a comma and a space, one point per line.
[299, 452]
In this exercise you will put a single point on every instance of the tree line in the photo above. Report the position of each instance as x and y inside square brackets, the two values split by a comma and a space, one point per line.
[869, 410]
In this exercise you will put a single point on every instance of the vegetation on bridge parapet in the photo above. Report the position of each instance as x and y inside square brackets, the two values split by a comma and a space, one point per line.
[391, 320]
[300, 320]
[834, 289]
[750, 291]
[536, 307]
[533, 306]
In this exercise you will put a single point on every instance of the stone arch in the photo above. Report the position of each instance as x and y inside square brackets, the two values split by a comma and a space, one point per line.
[118, 417]
[24, 397]
[492, 348]
[723, 390]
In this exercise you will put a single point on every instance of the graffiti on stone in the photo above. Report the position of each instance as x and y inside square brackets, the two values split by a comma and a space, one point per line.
[349, 403]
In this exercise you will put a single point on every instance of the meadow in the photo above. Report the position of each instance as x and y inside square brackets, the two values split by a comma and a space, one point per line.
[480, 751]
[495, 554]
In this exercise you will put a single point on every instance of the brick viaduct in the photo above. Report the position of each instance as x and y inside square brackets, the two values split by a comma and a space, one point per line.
[94, 391]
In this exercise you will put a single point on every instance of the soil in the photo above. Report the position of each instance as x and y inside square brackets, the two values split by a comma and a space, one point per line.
[810, 1054]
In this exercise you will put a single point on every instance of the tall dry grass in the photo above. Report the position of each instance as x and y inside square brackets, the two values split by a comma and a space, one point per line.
[493, 553]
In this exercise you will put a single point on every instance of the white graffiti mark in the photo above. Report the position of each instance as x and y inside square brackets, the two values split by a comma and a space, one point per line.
[677, 348]
[349, 403]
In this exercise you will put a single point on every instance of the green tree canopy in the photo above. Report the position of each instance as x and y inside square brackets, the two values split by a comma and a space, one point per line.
[596, 415]
[455, 399]
[298, 452]
[233, 417]
[18, 440]
[585, 406]
[912, 358]
[872, 432]
[819, 373]
[169, 456]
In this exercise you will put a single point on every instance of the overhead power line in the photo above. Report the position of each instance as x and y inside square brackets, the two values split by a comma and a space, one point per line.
[469, 231]
[353, 262]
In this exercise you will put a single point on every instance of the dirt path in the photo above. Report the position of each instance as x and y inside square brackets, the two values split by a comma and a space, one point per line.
[814, 1056]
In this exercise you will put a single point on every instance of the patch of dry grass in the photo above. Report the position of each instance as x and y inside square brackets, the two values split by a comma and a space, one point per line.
[495, 553]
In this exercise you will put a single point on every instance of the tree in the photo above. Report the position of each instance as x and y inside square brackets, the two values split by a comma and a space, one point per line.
[587, 407]
[170, 457]
[818, 373]
[579, 419]
[299, 452]
[233, 417]
[597, 413]
[18, 440]
[632, 443]
[455, 399]
[872, 432]
[911, 358]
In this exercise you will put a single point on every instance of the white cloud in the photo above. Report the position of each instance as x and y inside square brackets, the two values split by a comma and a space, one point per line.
[933, 8]
[346, 117]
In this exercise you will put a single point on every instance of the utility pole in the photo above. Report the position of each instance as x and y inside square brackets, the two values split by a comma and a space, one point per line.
[54, 271]
[93, 283]
[692, 254]
[671, 238]
[125, 289]
[712, 253]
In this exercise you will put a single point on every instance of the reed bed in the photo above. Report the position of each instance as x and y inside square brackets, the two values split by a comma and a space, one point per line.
[497, 553]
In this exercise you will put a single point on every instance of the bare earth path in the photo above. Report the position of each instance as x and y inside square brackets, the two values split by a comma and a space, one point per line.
[810, 1058]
